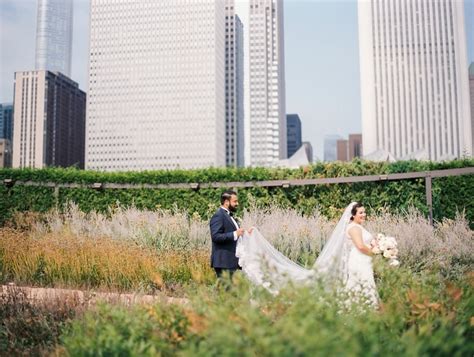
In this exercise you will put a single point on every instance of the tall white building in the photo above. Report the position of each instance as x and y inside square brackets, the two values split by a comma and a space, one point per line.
[266, 123]
[234, 86]
[54, 35]
[156, 85]
[414, 81]
[471, 90]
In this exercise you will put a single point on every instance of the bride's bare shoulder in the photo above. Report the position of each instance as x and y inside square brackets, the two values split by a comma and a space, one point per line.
[353, 228]
[353, 224]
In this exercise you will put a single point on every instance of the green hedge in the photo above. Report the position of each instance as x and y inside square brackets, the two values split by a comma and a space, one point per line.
[450, 194]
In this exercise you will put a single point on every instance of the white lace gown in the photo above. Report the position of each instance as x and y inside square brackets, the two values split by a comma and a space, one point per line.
[340, 260]
[360, 274]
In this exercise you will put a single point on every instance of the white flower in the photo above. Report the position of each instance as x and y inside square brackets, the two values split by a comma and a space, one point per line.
[376, 250]
[390, 253]
[391, 241]
[383, 245]
[394, 263]
[266, 285]
[387, 243]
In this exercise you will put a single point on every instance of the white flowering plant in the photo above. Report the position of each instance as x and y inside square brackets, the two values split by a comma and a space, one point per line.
[387, 247]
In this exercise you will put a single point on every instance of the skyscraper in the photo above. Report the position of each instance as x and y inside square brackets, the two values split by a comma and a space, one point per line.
[6, 121]
[330, 147]
[293, 133]
[266, 137]
[5, 153]
[349, 149]
[342, 150]
[354, 146]
[414, 88]
[49, 121]
[54, 35]
[156, 85]
[471, 90]
[234, 86]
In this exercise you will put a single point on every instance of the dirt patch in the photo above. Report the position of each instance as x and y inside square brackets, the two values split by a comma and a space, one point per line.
[88, 298]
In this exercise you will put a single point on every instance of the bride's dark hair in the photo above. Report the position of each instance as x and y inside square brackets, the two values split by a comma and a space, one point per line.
[354, 209]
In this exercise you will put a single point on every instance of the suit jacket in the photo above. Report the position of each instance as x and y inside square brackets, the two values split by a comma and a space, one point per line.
[223, 243]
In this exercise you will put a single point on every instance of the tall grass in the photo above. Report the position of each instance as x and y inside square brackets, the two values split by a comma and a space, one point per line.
[447, 245]
[62, 259]
[160, 229]
[298, 237]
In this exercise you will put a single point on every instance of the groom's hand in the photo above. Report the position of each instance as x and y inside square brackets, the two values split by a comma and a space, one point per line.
[240, 232]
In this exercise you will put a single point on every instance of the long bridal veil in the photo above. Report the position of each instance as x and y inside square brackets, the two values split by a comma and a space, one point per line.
[266, 266]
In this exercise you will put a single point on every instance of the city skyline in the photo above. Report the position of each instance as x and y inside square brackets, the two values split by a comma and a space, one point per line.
[321, 55]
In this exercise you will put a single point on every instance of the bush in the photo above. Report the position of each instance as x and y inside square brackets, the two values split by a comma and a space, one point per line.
[450, 194]
[118, 331]
[421, 314]
[31, 329]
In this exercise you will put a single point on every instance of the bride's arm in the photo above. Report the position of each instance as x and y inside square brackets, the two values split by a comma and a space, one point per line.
[356, 235]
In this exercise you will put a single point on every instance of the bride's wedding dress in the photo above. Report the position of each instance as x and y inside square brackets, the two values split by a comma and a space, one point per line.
[360, 275]
[339, 260]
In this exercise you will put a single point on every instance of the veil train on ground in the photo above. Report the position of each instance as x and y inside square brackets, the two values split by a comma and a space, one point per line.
[266, 266]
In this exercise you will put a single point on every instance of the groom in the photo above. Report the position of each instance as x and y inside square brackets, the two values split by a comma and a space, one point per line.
[224, 233]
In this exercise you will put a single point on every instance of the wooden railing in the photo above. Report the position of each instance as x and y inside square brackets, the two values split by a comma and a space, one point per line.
[427, 175]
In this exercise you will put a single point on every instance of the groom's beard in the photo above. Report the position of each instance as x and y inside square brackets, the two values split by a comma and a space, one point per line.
[232, 209]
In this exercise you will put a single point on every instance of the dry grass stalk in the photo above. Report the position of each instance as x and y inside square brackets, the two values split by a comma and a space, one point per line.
[62, 259]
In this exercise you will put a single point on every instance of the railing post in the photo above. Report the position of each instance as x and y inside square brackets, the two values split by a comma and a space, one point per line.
[56, 195]
[429, 197]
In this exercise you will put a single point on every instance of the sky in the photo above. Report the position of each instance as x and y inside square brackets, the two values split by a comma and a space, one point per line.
[321, 59]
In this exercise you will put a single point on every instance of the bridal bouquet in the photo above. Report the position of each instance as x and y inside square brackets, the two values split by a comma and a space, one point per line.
[387, 246]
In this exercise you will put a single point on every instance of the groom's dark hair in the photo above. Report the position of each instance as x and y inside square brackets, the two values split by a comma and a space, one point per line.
[226, 195]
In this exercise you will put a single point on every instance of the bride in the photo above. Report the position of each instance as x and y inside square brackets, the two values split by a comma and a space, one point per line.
[346, 258]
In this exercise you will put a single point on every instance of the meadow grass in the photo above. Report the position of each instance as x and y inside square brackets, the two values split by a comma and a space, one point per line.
[300, 237]
[131, 249]
[65, 260]
[426, 304]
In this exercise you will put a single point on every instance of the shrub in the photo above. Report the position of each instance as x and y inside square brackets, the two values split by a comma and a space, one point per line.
[420, 314]
[118, 331]
[450, 194]
[32, 329]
